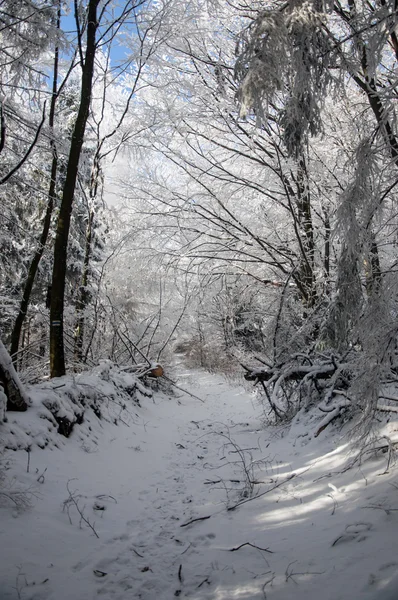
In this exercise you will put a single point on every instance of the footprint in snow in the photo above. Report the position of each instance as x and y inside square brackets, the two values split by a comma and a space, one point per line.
[203, 540]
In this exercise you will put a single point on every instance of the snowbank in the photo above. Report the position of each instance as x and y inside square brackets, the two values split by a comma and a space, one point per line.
[58, 405]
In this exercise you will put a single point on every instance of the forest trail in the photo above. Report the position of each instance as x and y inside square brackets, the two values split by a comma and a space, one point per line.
[302, 529]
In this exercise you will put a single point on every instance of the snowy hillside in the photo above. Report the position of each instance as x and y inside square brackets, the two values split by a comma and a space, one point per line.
[199, 500]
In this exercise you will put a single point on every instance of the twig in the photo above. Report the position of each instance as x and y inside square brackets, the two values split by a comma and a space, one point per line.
[28, 449]
[252, 546]
[182, 389]
[386, 510]
[334, 503]
[28, 151]
[386, 408]
[20, 498]
[266, 583]
[19, 587]
[277, 485]
[72, 501]
[102, 496]
[291, 574]
[41, 478]
[186, 549]
[194, 521]
[242, 450]
[180, 573]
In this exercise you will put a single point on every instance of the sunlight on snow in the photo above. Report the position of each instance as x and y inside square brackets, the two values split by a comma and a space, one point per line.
[284, 517]
[245, 591]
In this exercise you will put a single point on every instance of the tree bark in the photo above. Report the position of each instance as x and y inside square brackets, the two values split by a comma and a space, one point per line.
[17, 398]
[84, 295]
[57, 352]
[306, 233]
[372, 268]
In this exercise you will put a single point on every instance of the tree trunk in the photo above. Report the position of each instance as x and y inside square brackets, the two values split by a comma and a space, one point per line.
[306, 272]
[84, 296]
[326, 255]
[57, 353]
[17, 398]
[372, 268]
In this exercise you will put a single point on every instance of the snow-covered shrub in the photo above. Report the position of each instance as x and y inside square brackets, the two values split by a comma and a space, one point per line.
[107, 392]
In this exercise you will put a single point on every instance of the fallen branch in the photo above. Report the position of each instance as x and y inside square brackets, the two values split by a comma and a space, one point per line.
[385, 397]
[295, 373]
[277, 380]
[332, 415]
[182, 389]
[194, 521]
[252, 546]
[277, 485]
[386, 408]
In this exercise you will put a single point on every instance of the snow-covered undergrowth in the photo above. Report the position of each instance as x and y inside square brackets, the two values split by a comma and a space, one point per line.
[197, 500]
[58, 405]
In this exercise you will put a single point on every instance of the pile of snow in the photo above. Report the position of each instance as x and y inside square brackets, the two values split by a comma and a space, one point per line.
[58, 405]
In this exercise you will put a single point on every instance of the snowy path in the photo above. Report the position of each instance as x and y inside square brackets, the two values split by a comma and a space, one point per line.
[180, 460]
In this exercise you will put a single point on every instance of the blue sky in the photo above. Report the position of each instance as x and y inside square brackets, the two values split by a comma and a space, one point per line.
[68, 25]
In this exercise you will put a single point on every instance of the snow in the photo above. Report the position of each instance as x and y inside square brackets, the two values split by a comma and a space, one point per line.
[321, 530]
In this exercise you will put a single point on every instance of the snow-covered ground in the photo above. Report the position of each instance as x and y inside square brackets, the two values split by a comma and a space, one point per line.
[306, 529]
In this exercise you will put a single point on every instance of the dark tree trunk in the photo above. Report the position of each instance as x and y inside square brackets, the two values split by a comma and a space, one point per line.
[57, 353]
[373, 269]
[306, 272]
[17, 398]
[326, 256]
[84, 295]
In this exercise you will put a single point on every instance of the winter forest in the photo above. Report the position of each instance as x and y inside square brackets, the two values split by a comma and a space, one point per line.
[199, 299]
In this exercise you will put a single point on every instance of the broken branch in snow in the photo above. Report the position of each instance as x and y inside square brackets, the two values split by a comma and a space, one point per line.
[173, 383]
[385, 397]
[387, 408]
[323, 373]
[277, 485]
[335, 412]
[252, 546]
[194, 521]
[291, 373]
